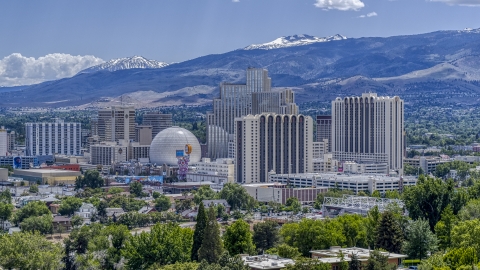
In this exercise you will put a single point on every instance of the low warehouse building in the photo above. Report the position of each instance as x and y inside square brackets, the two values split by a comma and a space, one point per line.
[48, 176]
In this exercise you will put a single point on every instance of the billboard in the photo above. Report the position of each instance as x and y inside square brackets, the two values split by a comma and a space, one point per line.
[179, 153]
[340, 167]
[17, 162]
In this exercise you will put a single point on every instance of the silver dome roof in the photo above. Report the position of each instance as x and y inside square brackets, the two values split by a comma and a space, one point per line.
[168, 141]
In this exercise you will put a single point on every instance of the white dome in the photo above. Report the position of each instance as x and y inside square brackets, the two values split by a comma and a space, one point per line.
[168, 141]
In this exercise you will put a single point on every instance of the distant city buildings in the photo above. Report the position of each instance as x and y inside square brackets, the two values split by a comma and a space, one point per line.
[53, 138]
[272, 142]
[369, 129]
[237, 100]
[324, 129]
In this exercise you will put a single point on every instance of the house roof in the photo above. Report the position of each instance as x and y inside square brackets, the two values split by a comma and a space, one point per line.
[207, 203]
[61, 219]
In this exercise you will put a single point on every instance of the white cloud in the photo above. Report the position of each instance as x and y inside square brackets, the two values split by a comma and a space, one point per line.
[368, 15]
[343, 5]
[17, 69]
[471, 3]
[235, 1]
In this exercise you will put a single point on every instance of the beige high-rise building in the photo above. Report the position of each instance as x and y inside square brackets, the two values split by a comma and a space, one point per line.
[272, 142]
[158, 121]
[143, 134]
[116, 123]
[237, 100]
[368, 129]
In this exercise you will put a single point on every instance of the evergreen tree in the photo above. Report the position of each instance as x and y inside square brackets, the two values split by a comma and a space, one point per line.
[238, 238]
[354, 263]
[378, 261]
[389, 233]
[199, 231]
[211, 248]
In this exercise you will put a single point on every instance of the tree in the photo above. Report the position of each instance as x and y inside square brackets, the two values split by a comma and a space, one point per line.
[202, 220]
[211, 247]
[31, 209]
[428, 198]
[467, 234]
[354, 230]
[443, 229]
[101, 209]
[285, 251]
[91, 179]
[463, 256]
[6, 196]
[378, 261]
[29, 251]
[376, 194]
[459, 199]
[236, 196]
[389, 233]
[435, 261]
[238, 239]
[115, 190]
[308, 264]
[76, 221]
[420, 240]
[70, 205]
[203, 193]
[293, 205]
[371, 225]
[162, 203]
[392, 194]
[6, 210]
[155, 194]
[136, 188]
[470, 211]
[41, 224]
[179, 266]
[354, 263]
[265, 235]
[33, 189]
[166, 244]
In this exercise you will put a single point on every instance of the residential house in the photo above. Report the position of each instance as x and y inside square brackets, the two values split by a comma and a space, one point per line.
[215, 203]
[61, 223]
[147, 210]
[86, 211]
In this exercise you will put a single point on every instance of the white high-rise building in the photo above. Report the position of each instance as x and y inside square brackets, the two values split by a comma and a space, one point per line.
[272, 142]
[3, 142]
[368, 129]
[53, 138]
[237, 100]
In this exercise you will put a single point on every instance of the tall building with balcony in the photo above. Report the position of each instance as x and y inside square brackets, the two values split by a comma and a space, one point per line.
[368, 129]
[324, 129]
[3, 141]
[53, 138]
[272, 142]
[237, 100]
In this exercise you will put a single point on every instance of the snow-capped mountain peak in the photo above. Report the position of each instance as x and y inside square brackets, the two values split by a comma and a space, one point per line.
[126, 63]
[291, 41]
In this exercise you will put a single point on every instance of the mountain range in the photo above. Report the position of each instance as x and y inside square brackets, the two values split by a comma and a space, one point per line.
[438, 68]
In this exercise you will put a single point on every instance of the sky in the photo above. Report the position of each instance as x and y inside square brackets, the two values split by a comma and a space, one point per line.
[52, 39]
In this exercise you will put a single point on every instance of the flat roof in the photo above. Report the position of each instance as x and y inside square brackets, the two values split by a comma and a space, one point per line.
[43, 171]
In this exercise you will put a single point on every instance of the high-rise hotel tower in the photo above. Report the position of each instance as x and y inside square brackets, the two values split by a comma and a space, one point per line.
[237, 100]
[368, 129]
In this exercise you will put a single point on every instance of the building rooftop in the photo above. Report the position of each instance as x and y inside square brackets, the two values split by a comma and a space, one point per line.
[332, 255]
[266, 261]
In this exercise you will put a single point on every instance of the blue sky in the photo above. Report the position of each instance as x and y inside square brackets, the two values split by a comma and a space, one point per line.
[178, 30]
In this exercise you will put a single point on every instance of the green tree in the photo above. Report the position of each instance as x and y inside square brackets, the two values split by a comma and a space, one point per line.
[69, 206]
[265, 235]
[389, 233]
[211, 248]
[29, 251]
[308, 264]
[354, 263]
[371, 224]
[354, 230]
[238, 239]
[428, 198]
[136, 188]
[378, 261]
[203, 193]
[6, 210]
[202, 220]
[463, 256]
[6, 196]
[41, 224]
[392, 194]
[178, 266]
[285, 251]
[467, 234]
[434, 262]
[33, 189]
[420, 240]
[165, 244]
[115, 190]
[293, 205]
[470, 211]
[236, 196]
[162, 203]
[155, 194]
[443, 229]
[90, 179]
[459, 199]
[76, 221]
[31, 209]
[101, 209]
[376, 194]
